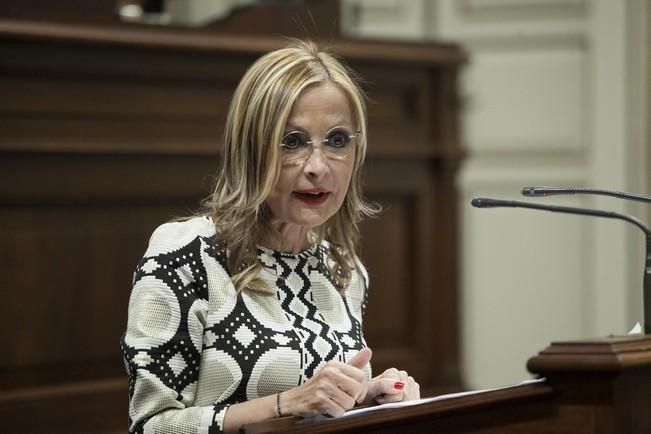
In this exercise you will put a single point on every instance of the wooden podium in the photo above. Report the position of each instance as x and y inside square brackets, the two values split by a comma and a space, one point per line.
[600, 386]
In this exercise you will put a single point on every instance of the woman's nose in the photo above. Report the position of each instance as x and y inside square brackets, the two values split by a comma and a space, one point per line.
[316, 164]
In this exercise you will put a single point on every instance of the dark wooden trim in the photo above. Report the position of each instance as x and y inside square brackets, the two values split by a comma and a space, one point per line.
[394, 419]
[596, 355]
[188, 40]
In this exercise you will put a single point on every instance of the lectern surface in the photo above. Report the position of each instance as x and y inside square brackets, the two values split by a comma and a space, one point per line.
[597, 386]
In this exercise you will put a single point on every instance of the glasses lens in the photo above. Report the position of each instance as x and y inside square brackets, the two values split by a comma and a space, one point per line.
[338, 139]
[294, 140]
[339, 143]
[295, 147]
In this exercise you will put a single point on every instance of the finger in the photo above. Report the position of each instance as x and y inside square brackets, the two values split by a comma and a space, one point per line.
[353, 372]
[362, 357]
[354, 382]
[335, 377]
[338, 403]
[412, 389]
[392, 387]
[385, 390]
[350, 387]
[362, 378]
[337, 370]
[362, 393]
[390, 373]
[386, 386]
[384, 399]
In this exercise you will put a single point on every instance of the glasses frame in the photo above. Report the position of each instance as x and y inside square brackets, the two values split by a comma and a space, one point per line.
[355, 135]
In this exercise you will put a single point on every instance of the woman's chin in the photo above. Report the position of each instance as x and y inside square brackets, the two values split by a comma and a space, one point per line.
[311, 219]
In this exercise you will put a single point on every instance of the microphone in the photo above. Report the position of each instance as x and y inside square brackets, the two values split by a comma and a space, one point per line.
[553, 191]
[498, 203]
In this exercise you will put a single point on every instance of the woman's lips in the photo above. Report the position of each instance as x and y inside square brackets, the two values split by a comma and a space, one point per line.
[312, 198]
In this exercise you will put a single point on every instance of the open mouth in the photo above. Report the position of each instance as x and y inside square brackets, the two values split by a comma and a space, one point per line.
[311, 197]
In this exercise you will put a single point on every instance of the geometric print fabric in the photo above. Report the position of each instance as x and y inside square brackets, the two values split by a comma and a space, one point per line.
[193, 345]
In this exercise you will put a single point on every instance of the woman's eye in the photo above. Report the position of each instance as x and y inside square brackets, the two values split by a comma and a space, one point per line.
[338, 140]
[293, 141]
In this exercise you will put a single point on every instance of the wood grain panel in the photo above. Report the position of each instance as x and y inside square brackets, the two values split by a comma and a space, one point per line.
[74, 98]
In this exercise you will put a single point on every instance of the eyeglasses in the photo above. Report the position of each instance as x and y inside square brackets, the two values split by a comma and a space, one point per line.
[338, 145]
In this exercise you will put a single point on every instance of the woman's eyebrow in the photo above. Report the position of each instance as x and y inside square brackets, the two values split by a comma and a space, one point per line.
[337, 127]
[294, 130]
[291, 128]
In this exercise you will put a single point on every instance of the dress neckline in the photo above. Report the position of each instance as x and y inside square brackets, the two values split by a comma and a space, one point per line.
[308, 251]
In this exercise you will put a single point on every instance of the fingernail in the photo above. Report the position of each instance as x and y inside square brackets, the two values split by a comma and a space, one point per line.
[398, 385]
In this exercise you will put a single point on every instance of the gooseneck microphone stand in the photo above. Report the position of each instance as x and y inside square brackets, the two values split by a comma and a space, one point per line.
[554, 191]
[495, 203]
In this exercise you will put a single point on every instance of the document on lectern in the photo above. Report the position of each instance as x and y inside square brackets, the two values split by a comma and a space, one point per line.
[435, 398]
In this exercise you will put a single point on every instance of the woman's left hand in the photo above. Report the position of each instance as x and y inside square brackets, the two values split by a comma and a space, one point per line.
[392, 386]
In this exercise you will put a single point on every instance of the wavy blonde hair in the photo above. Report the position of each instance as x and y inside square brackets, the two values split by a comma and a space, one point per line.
[251, 165]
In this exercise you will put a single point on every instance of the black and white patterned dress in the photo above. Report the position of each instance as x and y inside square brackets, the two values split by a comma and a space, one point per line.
[193, 346]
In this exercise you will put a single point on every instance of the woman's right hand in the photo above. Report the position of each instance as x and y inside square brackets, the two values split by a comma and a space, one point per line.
[335, 388]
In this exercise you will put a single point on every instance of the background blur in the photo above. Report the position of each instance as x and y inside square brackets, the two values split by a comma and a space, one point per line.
[556, 93]
[108, 128]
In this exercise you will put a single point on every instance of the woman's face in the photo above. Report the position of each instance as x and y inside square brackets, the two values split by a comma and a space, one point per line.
[315, 176]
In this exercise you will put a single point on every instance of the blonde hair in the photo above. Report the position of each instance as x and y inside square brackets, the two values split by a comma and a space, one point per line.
[250, 165]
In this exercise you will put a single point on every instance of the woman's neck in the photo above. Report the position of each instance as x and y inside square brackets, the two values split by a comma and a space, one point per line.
[289, 238]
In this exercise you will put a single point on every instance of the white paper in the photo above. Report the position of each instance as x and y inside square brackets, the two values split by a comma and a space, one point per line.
[435, 398]
[637, 330]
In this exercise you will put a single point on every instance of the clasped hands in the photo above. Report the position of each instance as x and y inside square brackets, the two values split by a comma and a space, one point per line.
[338, 386]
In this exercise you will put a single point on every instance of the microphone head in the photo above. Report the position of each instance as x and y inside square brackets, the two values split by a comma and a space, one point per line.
[479, 202]
[487, 202]
[528, 191]
[542, 191]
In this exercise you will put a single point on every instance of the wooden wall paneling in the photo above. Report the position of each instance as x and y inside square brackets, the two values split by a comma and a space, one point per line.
[120, 98]
[395, 252]
[73, 228]
[445, 103]
[95, 11]
[107, 133]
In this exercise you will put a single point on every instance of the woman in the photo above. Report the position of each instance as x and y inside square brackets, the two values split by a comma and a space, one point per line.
[253, 310]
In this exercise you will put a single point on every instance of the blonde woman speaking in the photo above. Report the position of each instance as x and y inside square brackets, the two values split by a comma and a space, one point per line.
[252, 309]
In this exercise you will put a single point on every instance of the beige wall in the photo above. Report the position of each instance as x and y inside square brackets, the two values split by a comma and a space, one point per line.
[554, 96]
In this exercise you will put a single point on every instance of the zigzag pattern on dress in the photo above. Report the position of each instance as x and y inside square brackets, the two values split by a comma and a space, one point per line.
[319, 346]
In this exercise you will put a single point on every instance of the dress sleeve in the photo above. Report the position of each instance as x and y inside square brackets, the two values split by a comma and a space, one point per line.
[360, 295]
[163, 341]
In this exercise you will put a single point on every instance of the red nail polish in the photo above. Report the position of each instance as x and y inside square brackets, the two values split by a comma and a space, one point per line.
[398, 385]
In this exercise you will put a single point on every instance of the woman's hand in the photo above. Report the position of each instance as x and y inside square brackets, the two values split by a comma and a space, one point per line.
[335, 388]
[392, 386]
